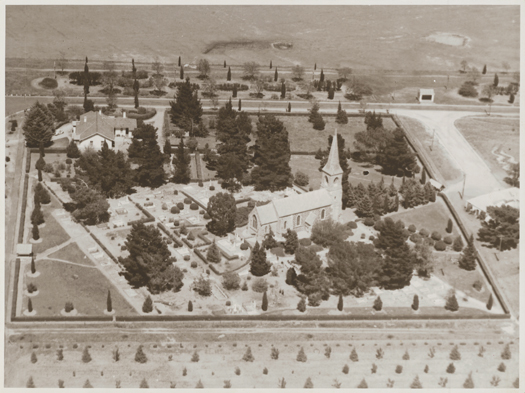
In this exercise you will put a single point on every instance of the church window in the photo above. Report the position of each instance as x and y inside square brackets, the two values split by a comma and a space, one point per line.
[298, 220]
[336, 181]
[254, 221]
[323, 214]
[284, 225]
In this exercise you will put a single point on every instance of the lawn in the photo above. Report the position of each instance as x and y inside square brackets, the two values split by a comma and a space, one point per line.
[438, 154]
[494, 139]
[86, 287]
[72, 253]
[52, 233]
[432, 217]
[309, 166]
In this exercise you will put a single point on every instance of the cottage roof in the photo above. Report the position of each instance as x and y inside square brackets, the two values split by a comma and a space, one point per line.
[302, 203]
[508, 196]
[332, 166]
[97, 123]
[426, 91]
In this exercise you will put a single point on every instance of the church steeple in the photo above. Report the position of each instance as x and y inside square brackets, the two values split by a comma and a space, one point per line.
[332, 166]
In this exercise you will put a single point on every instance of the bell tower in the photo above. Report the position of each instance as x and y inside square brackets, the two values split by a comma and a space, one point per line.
[332, 179]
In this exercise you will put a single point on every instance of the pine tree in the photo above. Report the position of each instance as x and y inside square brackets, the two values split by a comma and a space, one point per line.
[484, 69]
[341, 117]
[181, 160]
[38, 125]
[190, 306]
[259, 266]
[35, 232]
[275, 75]
[454, 353]
[229, 74]
[469, 383]
[423, 176]
[308, 384]
[181, 73]
[109, 305]
[271, 156]
[145, 152]
[29, 305]
[214, 254]
[490, 302]
[301, 356]
[147, 306]
[248, 356]
[264, 306]
[140, 356]
[187, 108]
[449, 226]
[86, 357]
[72, 151]
[467, 259]
[452, 303]
[365, 208]
[415, 303]
[340, 303]
[496, 80]
[416, 383]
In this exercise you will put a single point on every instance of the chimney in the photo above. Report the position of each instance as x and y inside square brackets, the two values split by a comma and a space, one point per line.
[124, 114]
[85, 119]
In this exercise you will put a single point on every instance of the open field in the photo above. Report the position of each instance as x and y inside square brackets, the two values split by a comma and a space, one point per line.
[246, 33]
[495, 139]
[218, 360]
[52, 233]
[86, 287]
[72, 253]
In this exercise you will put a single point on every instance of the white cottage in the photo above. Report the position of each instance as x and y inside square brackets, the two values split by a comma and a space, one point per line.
[299, 212]
[94, 128]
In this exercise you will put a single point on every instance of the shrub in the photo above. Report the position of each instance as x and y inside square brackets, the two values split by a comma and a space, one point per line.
[469, 383]
[244, 286]
[454, 354]
[423, 232]
[193, 264]
[440, 246]
[369, 222]
[195, 357]
[274, 354]
[477, 285]
[380, 353]
[346, 369]
[399, 369]
[353, 355]
[416, 383]
[301, 306]
[48, 83]
[180, 205]
[415, 303]
[436, 236]
[31, 287]
[190, 306]
[467, 90]
[227, 384]
[374, 368]
[187, 201]
[187, 257]
[140, 356]
[362, 384]
[425, 370]
[506, 354]
[244, 246]
[69, 161]
[191, 236]
[248, 356]
[448, 240]
[147, 306]
[308, 384]
[69, 307]
[363, 236]
[378, 304]
[86, 357]
[260, 285]
[33, 357]
[451, 369]
[452, 303]
[212, 188]
[458, 244]
[265, 371]
[416, 237]
[352, 225]
[301, 356]
[194, 206]
[237, 371]
[206, 216]
[301, 179]
[87, 384]
[502, 367]
[412, 228]
[406, 356]
[490, 302]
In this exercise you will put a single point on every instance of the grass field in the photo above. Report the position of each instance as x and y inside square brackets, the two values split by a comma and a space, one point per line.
[494, 139]
[218, 360]
[333, 36]
[432, 217]
[52, 234]
[86, 287]
[72, 253]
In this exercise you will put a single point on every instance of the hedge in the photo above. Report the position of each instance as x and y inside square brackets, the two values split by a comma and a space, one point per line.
[23, 212]
[188, 196]
[83, 318]
[142, 220]
[15, 289]
[204, 239]
[168, 233]
[142, 116]
[103, 247]
[28, 161]
[187, 243]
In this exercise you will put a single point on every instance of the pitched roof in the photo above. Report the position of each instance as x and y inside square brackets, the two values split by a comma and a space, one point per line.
[302, 203]
[266, 213]
[332, 166]
[97, 123]
[426, 91]
[507, 196]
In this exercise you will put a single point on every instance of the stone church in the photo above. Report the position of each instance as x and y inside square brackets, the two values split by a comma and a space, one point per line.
[300, 212]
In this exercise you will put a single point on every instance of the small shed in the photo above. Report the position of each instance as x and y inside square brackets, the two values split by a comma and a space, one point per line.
[24, 250]
[425, 95]
[437, 185]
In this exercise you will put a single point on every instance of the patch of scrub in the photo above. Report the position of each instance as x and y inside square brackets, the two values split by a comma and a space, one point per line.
[504, 159]
[282, 45]
[449, 39]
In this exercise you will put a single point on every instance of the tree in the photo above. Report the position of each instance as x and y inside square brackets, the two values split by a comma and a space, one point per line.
[140, 356]
[231, 281]
[156, 66]
[319, 123]
[314, 112]
[251, 70]
[37, 217]
[264, 305]
[449, 226]
[362, 384]
[190, 306]
[424, 258]
[308, 384]
[415, 303]
[204, 68]
[259, 265]
[489, 91]
[328, 232]
[221, 209]
[149, 262]
[109, 305]
[181, 73]
[181, 160]
[86, 357]
[469, 382]
[490, 302]
[145, 151]
[229, 74]
[179, 61]
[283, 90]
[167, 148]
[274, 353]
[297, 72]
[502, 229]
[496, 81]
[301, 306]
[213, 254]
[344, 73]
[30, 383]
[35, 232]
[144, 384]
[271, 156]
[275, 75]
[33, 267]
[202, 286]
[321, 77]
[158, 81]
[484, 69]
[301, 355]
[341, 117]
[454, 353]
[248, 356]
[396, 158]
[147, 306]
[72, 150]
[292, 241]
[187, 107]
[199, 385]
[340, 303]
[110, 79]
[378, 304]
[38, 126]
[416, 383]
[452, 303]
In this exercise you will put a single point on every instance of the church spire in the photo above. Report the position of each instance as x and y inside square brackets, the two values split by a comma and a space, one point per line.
[332, 166]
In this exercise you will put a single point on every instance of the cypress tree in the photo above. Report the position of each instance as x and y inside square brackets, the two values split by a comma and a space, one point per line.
[167, 147]
[283, 90]
[234, 92]
[289, 107]
[315, 66]
[511, 98]
[109, 305]
[133, 69]
[340, 303]
[181, 73]
[496, 80]
[224, 63]
[449, 226]
[39, 175]
[270, 64]
[229, 74]
[415, 303]
[182, 162]
[423, 177]
[179, 61]
[264, 306]
[41, 150]
[29, 305]
[35, 232]
[275, 75]
[321, 78]
[190, 306]
[467, 259]
[490, 302]
[33, 268]
[484, 69]
[136, 87]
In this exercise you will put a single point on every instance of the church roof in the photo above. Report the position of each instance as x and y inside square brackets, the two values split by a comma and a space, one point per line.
[93, 123]
[284, 207]
[332, 166]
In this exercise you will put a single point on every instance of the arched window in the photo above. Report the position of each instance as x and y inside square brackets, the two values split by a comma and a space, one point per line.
[254, 221]
[336, 181]
[323, 213]
[298, 220]
[284, 225]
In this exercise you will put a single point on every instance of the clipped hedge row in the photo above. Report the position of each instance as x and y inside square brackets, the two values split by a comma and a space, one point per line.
[83, 318]
[168, 233]
[142, 116]
[239, 201]
[102, 246]
[204, 239]
[193, 199]
[28, 161]
[23, 212]
[210, 265]
[15, 289]
[142, 220]
[185, 241]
